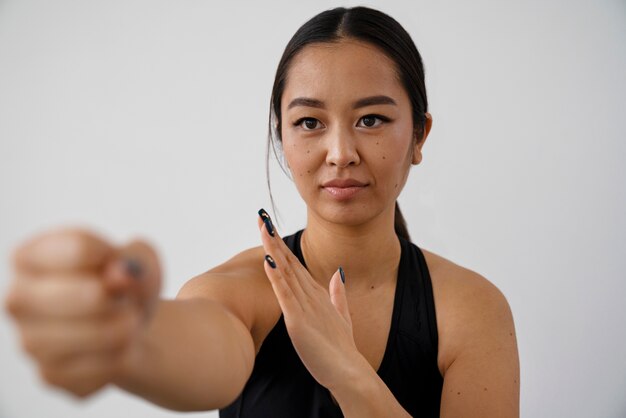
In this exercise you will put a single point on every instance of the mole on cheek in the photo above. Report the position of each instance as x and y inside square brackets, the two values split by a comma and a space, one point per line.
[308, 171]
[384, 157]
[376, 142]
[308, 151]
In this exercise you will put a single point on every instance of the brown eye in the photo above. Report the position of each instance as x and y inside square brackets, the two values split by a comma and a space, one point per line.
[369, 121]
[308, 124]
[372, 121]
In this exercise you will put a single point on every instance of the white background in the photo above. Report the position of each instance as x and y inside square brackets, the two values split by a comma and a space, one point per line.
[148, 118]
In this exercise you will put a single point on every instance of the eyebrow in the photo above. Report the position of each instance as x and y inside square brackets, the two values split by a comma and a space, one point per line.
[366, 101]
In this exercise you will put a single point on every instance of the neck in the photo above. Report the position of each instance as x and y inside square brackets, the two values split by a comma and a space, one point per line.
[369, 253]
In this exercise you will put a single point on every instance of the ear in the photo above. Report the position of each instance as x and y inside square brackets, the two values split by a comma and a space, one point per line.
[419, 142]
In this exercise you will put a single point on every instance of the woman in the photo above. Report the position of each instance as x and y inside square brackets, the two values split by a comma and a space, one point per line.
[344, 318]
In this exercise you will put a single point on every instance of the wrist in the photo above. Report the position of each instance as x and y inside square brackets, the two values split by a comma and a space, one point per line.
[359, 379]
[132, 356]
[363, 394]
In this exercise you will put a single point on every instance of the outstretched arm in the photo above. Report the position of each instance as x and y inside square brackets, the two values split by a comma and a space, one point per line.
[194, 356]
[89, 315]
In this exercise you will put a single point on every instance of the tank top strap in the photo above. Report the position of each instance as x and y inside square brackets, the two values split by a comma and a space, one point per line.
[281, 386]
[417, 318]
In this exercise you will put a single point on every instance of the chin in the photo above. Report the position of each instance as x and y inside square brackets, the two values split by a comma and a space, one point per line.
[347, 214]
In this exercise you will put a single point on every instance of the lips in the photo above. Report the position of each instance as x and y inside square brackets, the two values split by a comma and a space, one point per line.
[344, 183]
[343, 189]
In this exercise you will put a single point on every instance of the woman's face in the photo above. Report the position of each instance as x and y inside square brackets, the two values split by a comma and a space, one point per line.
[347, 131]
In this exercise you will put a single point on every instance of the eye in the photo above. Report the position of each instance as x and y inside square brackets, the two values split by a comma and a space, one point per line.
[372, 121]
[308, 124]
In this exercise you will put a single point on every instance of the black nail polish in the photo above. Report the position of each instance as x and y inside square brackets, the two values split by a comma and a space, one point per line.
[267, 220]
[342, 274]
[270, 261]
[133, 268]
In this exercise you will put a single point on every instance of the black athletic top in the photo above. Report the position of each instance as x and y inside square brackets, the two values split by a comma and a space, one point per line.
[281, 387]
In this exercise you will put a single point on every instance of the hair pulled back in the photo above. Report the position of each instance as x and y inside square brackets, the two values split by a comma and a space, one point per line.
[367, 25]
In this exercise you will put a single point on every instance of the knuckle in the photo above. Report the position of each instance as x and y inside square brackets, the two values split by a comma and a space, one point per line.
[81, 391]
[49, 376]
[82, 248]
[13, 303]
[93, 294]
[29, 343]
[142, 246]
[19, 254]
[288, 270]
[78, 243]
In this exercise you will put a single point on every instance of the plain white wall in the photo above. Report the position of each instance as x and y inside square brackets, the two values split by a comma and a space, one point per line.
[149, 118]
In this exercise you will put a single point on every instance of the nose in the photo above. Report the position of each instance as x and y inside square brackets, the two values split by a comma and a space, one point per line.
[342, 148]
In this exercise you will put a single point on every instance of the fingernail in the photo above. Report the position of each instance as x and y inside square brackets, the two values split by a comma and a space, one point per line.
[133, 268]
[270, 261]
[267, 221]
[342, 274]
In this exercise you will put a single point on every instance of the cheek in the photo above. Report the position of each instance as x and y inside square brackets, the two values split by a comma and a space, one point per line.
[389, 160]
[301, 158]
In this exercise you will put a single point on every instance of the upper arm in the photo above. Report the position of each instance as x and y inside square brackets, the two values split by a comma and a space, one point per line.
[240, 285]
[481, 378]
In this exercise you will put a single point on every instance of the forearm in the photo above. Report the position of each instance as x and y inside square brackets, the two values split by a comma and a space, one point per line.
[365, 395]
[194, 355]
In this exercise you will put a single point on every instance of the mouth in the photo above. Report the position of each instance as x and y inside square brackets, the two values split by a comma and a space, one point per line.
[343, 189]
[344, 183]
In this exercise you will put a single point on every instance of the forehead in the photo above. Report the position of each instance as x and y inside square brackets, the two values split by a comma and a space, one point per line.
[342, 70]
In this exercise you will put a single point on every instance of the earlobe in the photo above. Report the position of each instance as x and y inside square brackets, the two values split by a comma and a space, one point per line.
[419, 141]
[417, 149]
[417, 157]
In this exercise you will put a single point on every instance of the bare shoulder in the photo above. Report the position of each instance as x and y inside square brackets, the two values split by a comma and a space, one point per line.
[478, 354]
[241, 285]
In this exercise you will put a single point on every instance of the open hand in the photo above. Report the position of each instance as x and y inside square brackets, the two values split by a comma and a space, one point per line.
[318, 320]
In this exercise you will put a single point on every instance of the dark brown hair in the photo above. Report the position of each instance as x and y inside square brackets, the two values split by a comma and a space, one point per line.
[368, 25]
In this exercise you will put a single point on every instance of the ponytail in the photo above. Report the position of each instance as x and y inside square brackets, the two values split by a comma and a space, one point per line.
[400, 224]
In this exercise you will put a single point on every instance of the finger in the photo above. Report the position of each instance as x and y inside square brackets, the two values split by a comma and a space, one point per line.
[82, 375]
[68, 249]
[287, 299]
[58, 296]
[135, 270]
[56, 340]
[274, 244]
[264, 218]
[337, 291]
[284, 269]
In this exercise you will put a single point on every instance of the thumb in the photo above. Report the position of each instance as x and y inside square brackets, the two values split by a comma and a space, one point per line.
[134, 271]
[337, 291]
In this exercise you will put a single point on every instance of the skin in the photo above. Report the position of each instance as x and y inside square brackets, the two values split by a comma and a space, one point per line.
[87, 322]
[331, 139]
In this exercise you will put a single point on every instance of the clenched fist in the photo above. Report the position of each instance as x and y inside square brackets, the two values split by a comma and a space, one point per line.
[80, 304]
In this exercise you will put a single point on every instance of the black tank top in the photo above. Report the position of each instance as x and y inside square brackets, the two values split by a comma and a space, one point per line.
[281, 387]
